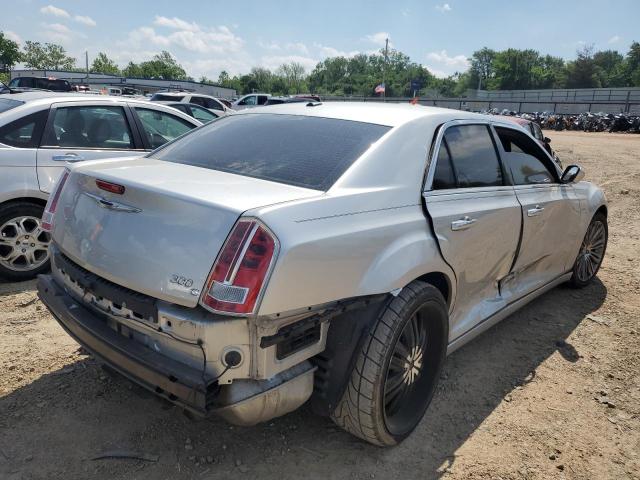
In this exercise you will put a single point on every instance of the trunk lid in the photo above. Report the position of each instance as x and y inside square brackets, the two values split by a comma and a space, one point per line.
[162, 235]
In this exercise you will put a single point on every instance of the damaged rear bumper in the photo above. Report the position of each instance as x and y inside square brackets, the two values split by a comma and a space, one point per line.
[244, 402]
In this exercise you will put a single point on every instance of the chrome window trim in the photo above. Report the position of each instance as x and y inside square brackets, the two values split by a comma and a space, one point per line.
[435, 151]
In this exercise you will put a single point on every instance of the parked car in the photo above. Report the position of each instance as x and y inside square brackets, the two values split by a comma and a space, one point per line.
[536, 132]
[206, 101]
[40, 134]
[41, 83]
[319, 253]
[251, 100]
[196, 111]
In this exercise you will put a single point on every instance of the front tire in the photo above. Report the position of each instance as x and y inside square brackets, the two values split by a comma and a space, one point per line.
[397, 369]
[591, 254]
[24, 246]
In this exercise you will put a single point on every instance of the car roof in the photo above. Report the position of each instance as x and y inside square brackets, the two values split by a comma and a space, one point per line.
[518, 120]
[389, 114]
[45, 97]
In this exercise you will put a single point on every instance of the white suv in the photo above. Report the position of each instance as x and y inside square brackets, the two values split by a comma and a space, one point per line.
[41, 133]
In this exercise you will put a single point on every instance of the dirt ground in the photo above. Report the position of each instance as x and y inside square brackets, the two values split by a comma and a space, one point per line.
[551, 392]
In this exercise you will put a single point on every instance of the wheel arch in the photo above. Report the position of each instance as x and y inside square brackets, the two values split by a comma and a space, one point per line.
[33, 200]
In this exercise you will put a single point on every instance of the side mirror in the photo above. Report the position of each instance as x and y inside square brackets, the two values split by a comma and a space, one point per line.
[546, 140]
[573, 173]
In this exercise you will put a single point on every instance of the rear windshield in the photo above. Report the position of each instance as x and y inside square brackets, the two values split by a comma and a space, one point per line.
[310, 152]
[7, 104]
[158, 97]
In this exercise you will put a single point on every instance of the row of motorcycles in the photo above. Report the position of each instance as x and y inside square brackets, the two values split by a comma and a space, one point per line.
[586, 122]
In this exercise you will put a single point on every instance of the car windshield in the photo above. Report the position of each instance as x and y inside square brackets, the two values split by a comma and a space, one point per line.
[309, 152]
[8, 104]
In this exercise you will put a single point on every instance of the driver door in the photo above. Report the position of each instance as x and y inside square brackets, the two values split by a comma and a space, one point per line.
[77, 131]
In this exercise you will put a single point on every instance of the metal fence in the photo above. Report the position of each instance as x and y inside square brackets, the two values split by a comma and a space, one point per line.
[630, 104]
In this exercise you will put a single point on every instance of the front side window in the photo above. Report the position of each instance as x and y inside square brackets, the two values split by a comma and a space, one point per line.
[161, 127]
[310, 152]
[24, 132]
[89, 127]
[524, 158]
[473, 156]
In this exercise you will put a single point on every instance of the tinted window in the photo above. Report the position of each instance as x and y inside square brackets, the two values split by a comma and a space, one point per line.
[8, 104]
[198, 101]
[160, 127]
[262, 99]
[524, 158]
[474, 156]
[89, 127]
[24, 132]
[444, 175]
[309, 152]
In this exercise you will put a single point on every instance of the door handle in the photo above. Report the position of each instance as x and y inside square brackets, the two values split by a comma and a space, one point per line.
[533, 212]
[462, 224]
[67, 157]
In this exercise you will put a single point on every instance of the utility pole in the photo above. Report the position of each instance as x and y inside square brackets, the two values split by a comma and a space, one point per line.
[86, 61]
[384, 70]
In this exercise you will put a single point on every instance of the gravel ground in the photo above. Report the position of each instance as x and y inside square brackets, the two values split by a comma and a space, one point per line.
[551, 392]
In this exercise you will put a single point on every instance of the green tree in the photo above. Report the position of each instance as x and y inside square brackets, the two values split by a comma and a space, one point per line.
[293, 76]
[583, 71]
[482, 68]
[632, 65]
[103, 64]
[47, 57]
[162, 66]
[9, 52]
[224, 79]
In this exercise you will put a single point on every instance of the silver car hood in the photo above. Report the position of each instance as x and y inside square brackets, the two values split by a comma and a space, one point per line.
[162, 235]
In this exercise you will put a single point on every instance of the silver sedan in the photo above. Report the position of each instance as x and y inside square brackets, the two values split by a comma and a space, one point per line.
[332, 252]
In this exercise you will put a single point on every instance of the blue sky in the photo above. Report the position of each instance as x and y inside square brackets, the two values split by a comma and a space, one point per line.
[209, 36]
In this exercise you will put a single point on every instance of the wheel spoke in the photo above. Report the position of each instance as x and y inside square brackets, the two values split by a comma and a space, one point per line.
[397, 363]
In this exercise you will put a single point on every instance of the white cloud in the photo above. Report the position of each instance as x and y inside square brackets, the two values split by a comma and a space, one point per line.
[379, 38]
[326, 51]
[445, 7]
[442, 64]
[88, 21]
[55, 11]
[188, 36]
[176, 23]
[614, 39]
[57, 33]
[13, 36]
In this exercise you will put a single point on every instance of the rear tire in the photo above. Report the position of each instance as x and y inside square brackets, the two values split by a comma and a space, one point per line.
[397, 369]
[24, 246]
[591, 254]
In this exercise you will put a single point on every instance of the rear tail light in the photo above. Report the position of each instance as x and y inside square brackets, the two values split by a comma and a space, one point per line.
[240, 271]
[52, 203]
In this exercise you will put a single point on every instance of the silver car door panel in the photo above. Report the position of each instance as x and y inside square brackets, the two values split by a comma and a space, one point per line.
[478, 230]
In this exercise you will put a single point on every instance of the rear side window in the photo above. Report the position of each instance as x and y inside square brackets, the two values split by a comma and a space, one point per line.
[24, 132]
[445, 176]
[89, 127]
[524, 157]
[309, 152]
[473, 155]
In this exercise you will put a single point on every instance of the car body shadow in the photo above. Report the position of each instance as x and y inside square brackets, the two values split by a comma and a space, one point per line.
[65, 418]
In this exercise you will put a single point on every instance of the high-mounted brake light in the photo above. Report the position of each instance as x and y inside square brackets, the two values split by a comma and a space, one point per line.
[239, 273]
[52, 203]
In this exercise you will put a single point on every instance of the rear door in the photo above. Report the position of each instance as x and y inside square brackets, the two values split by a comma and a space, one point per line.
[78, 131]
[476, 218]
[550, 211]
